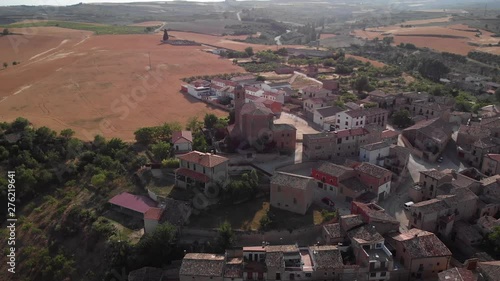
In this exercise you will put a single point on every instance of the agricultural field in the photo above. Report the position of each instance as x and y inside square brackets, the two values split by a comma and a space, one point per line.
[97, 29]
[101, 84]
[453, 38]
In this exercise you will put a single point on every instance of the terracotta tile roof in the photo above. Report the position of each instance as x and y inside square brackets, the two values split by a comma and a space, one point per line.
[429, 206]
[333, 230]
[138, 203]
[204, 159]
[492, 123]
[378, 93]
[352, 105]
[252, 97]
[365, 234]
[329, 111]
[255, 109]
[490, 268]
[182, 136]
[146, 274]
[282, 249]
[153, 214]
[252, 89]
[275, 260]
[192, 174]
[422, 244]
[326, 257]
[495, 157]
[375, 214]
[372, 170]
[488, 222]
[209, 265]
[465, 231]
[433, 173]
[351, 132]
[225, 82]
[333, 169]
[291, 180]
[457, 274]
[354, 184]
[283, 127]
[485, 143]
[376, 145]
[389, 134]
[350, 221]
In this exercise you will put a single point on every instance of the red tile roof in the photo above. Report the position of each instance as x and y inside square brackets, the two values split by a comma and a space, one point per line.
[389, 134]
[138, 203]
[422, 244]
[182, 135]
[495, 157]
[252, 89]
[193, 175]
[153, 214]
[204, 159]
[351, 132]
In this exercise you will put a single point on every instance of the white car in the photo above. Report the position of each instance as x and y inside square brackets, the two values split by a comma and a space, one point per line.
[407, 205]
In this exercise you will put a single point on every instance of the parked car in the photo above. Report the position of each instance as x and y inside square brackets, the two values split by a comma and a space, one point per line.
[407, 205]
[328, 201]
[440, 159]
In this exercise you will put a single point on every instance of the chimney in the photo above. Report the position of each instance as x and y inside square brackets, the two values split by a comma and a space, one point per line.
[471, 264]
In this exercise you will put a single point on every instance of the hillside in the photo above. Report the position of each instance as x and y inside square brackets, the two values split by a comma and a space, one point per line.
[64, 230]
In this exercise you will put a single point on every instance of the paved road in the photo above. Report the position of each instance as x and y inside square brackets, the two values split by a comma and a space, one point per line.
[238, 15]
[393, 205]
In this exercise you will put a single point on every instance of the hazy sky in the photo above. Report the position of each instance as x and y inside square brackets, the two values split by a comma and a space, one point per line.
[71, 2]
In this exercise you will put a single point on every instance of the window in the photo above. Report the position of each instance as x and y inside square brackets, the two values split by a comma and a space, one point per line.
[373, 274]
[437, 263]
[382, 274]
[346, 138]
[194, 167]
[188, 165]
[294, 200]
[204, 170]
[346, 123]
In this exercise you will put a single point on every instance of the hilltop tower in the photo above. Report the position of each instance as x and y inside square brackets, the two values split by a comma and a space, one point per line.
[239, 102]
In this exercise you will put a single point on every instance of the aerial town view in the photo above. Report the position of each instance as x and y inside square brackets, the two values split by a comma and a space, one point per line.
[250, 140]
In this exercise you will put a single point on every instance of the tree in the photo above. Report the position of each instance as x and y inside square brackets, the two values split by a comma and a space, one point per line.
[388, 40]
[260, 78]
[5, 31]
[5, 65]
[225, 237]
[161, 150]
[249, 51]
[402, 119]
[199, 142]
[361, 84]
[235, 61]
[144, 135]
[432, 69]
[67, 133]
[20, 124]
[210, 120]
[193, 124]
[157, 248]
[98, 180]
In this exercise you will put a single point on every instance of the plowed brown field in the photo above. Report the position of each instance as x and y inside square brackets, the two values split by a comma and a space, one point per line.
[101, 84]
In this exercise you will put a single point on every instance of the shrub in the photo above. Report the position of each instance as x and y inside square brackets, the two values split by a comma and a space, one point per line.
[171, 163]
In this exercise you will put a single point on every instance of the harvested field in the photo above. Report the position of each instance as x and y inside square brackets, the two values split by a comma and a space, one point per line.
[420, 22]
[326, 35]
[223, 42]
[363, 59]
[147, 23]
[101, 84]
[451, 38]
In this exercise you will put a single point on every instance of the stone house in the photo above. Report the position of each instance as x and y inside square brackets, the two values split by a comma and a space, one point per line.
[292, 192]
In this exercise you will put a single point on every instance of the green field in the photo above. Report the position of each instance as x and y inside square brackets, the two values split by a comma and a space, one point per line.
[97, 29]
